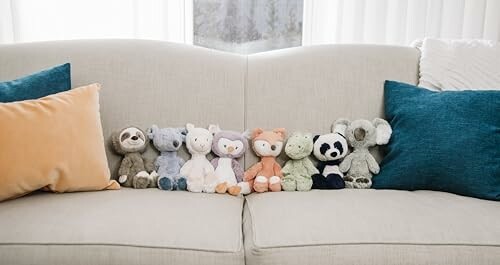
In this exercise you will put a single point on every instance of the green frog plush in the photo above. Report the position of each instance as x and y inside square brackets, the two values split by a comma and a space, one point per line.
[298, 170]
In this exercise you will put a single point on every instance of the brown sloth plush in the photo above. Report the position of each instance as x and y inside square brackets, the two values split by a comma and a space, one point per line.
[134, 169]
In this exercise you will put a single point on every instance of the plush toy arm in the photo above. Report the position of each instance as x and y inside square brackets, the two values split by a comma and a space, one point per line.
[215, 162]
[238, 170]
[208, 169]
[251, 173]
[125, 167]
[149, 164]
[372, 164]
[346, 164]
[181, 162]
[186, 168]
[287, 169]
[311, 169]
[277, 170]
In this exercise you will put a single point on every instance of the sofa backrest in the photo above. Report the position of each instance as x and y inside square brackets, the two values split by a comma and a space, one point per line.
[146, 82]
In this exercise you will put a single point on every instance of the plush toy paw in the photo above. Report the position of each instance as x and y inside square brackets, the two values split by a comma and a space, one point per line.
[304, 184]
[194, 187]
[234, 190]
[334, 181]
[122, 179]
[154, 175]
[275, 183]
[181, 183]
[141, 180]
[164, 183]
[221, 188]
[362, 183]
[289, 184]
[260, 184]
[349, 182]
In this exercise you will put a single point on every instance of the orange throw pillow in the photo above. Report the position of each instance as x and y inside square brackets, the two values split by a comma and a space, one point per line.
[55, 143]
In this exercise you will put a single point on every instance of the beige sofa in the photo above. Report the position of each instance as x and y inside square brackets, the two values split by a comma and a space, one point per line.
[146, 82]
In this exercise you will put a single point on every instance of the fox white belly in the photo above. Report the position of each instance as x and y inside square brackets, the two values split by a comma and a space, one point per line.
[224, 171]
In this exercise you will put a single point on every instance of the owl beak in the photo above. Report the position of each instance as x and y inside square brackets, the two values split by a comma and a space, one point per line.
[230, 149]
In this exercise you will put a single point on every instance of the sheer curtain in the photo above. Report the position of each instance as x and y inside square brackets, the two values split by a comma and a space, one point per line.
[39, 20]
[398, 21]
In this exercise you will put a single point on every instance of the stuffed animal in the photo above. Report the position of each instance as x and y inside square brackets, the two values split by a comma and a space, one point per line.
[360, 165]
[297, 172]
[266, 175]
[329, 149]
[229, 146]
[198, 170]
[168, 164]
[131, 142]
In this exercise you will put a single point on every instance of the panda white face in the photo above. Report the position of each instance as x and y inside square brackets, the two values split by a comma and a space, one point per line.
[330, 146]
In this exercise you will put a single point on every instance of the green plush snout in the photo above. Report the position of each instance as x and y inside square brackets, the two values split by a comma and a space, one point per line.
[299, 145]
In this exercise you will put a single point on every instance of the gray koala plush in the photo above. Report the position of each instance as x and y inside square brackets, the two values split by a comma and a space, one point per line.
[360, 165]
[168, 164]
[133, 172]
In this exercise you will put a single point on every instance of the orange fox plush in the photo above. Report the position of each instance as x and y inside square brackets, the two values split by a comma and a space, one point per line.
[266, 175]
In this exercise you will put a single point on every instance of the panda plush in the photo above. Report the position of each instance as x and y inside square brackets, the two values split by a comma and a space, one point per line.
[329, 150]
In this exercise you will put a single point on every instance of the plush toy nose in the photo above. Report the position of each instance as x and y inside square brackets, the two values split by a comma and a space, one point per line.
[230, 149]
[176, 143]
[273, 147]
[135, 138]
[359, 134]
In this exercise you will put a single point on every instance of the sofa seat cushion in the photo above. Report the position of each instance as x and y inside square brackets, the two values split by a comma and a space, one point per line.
[122, 227]
[370, 227]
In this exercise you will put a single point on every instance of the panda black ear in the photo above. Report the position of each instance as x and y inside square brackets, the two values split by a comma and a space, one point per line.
[315, 138]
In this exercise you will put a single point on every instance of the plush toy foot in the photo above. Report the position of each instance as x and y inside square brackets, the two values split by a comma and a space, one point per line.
[362, 183]
[164, 183]
[319, 182]
[141, 180]
[245, 188]
[122, 179]
[181, 183]
[304, 184]
[194, 187]
[234, 190]
[288, 184]
[349, 182]
[334, 181]
[221, 188]
[260, 184]
[275, 183]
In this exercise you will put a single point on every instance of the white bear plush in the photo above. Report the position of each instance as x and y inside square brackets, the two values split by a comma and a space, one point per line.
[198, 170]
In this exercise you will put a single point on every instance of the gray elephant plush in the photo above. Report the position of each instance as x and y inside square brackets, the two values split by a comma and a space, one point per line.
[360, 165]
[168, 164]
[134, 169]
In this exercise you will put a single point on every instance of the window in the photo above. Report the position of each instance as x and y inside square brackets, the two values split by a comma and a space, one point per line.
[247, 26]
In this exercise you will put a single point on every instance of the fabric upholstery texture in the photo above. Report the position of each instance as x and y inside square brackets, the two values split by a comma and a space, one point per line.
[445, 141]
[46, 82]
[352, 226]
[308, 88]
[54, 143]
[127, 226]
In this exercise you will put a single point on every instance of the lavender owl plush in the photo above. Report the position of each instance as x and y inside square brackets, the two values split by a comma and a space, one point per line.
[229, 146]
[168, 164]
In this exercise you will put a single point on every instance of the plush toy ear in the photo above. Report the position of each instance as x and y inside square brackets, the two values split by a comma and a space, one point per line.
[152, 131]
[384, 131]
[213, 129]
[189, 127]
[183, 133]
[315, 138]
[256, 132]
[308, 135]
[280, 131]
[340, 126]
[246, 134]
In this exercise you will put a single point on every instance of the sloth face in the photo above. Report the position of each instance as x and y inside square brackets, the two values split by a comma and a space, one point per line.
[132, 139]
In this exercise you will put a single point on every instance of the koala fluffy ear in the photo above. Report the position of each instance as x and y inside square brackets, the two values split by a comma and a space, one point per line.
[384, 131]
[183, 133]
[280, 131]
[152, 131]
[340, 126]
[315, 138]
[189, 127]
[213, 129]
[256, 132]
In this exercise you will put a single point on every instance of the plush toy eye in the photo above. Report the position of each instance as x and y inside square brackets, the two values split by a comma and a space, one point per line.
[236, 147]
[263, 144]
[224, 146]
[195, 139]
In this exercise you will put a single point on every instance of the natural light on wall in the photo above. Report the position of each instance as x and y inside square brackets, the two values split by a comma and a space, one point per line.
[248, 26]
